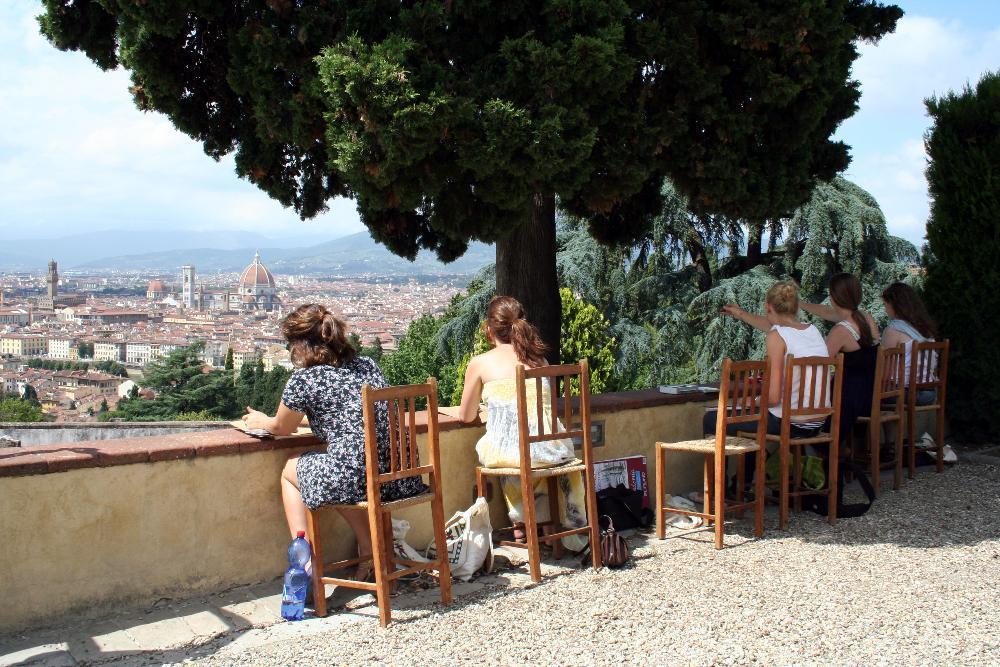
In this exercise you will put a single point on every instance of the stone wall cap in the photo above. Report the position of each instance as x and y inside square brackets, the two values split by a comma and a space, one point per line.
[43, 459]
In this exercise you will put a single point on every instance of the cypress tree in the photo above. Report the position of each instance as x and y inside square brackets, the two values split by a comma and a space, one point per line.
[963, 235]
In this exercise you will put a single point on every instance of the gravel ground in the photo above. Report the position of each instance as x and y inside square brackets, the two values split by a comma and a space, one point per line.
[915, 581]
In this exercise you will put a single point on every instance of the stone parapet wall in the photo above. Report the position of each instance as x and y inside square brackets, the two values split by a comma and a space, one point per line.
[129, 521]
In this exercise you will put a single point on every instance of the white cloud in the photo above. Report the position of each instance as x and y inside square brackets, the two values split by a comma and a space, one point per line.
[925, 57]
[76, 153]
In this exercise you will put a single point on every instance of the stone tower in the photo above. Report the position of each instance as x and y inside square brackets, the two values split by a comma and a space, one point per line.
[52, 279]
[187, 286]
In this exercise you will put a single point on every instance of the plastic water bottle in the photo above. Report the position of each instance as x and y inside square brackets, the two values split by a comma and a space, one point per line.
[297, 580]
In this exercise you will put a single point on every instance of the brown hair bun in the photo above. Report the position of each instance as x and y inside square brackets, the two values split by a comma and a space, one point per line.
[316, 336]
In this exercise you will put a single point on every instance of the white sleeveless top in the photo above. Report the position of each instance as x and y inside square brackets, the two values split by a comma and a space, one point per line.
[806, 342]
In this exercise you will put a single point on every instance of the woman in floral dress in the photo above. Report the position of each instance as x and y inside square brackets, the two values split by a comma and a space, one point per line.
[327, 388]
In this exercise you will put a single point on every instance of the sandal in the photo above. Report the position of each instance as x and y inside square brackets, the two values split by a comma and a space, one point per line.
[520, 536]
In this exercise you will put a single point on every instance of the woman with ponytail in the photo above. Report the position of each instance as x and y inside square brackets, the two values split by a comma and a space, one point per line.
[326, 387]
[489, 380]
[857, 336]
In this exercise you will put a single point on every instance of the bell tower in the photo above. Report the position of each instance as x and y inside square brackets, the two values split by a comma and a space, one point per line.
[52, 279]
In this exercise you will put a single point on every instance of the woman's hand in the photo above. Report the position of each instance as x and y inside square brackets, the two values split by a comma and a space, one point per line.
[255, 419]
[732, 310]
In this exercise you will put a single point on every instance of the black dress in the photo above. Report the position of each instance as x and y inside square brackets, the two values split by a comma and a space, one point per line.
[858, 385]
[331, 397]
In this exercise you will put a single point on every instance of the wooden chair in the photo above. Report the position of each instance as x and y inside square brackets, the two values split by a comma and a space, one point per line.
[742, 400]
[814, 405]
[888, 406]
[565, 424]
[404, 462]
[928, 371]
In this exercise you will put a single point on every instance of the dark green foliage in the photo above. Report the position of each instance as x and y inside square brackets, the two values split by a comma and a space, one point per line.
[182, 384]
[85, 350]
[451, 121]
[228, 365]
[963, 275]
[416, 358]
[14, 409]
[111, 368]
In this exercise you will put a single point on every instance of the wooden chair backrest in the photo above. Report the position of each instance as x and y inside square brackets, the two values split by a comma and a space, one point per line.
[890, 377]
[929, 367]
[816, 398]
[743, 388]
[569, 415]
[404, 460]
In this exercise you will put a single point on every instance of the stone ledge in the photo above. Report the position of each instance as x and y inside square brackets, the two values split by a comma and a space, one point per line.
[43, 459]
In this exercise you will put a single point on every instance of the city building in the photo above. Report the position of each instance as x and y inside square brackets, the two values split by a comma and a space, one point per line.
[156, 290]
[52, 280]
[62, 347]
[16, 316]
[23, 345]
[109, 350]
[187, 286]
[257, 289]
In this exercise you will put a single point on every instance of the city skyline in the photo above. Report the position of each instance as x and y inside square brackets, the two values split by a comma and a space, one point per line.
[84, 158]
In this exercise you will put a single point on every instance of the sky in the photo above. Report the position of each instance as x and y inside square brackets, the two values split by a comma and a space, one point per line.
[75, 153]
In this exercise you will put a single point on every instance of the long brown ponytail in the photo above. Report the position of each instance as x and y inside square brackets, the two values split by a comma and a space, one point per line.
[506, 324]
[845, 291]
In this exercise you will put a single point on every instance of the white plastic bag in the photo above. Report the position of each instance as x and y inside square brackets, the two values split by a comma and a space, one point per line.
[402, 548]
[469, 535]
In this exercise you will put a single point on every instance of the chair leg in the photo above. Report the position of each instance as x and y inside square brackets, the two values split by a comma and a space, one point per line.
[319, 590]
[897, 479]
[531, 527]
[480, 482]
[875, 444]
[441, 541]
[797, 477]
[390, 550]
[759, 491]
[660, 493]
[553, 494]
[376, 521]
[834, 481]
[940, 438]
[741, 480]
[709, 488]
[720, 498]
[911, 431]
[590, 495]
[783, 486]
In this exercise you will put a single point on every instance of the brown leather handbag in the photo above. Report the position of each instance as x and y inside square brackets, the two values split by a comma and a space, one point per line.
[614, 549]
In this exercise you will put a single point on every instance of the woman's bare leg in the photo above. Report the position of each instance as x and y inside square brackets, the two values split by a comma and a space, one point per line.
[295, 508]
[357, 519]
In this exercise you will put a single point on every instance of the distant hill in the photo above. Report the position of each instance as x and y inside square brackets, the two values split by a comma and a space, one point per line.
[353, 254]
[20, 254]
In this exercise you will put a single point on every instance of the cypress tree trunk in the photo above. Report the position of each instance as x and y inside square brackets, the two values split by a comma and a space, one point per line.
[755, 234]
[526, 270]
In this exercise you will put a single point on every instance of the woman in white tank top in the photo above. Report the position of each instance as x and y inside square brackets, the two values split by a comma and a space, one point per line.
[785, 335]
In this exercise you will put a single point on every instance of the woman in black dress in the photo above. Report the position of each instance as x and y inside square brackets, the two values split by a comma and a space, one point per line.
[856, 334]
[327, 388]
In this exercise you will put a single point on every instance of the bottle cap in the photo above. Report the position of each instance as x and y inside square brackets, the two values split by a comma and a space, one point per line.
[299, 534]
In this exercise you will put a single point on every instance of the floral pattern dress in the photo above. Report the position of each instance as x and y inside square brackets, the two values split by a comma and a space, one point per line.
[331, 397]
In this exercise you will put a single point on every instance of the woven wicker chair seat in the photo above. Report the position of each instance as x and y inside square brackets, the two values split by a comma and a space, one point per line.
[734, 445]
[391, 505]
[576, 465]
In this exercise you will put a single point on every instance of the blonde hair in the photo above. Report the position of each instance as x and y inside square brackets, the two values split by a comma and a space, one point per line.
[784, 297]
